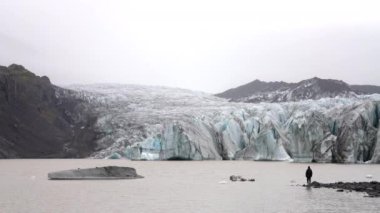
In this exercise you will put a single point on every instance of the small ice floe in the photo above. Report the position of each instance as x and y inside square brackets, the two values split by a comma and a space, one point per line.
[222, 182]
[368, 176]
[32, 177]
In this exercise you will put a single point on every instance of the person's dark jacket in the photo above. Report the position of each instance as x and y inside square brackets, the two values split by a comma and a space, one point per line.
[309, 173]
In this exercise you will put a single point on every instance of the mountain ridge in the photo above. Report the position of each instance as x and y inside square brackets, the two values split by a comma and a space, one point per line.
[279, 91]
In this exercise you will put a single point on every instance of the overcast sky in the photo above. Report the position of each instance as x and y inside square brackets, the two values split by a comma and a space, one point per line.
[202, 45]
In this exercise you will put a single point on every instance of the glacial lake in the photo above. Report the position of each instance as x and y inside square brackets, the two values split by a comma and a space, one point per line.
[183, 186]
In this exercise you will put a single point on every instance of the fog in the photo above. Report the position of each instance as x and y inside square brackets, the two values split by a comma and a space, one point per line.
[203, 45]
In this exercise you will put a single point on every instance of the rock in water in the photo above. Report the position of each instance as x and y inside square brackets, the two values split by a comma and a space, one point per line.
[98, 173]
[233, 178]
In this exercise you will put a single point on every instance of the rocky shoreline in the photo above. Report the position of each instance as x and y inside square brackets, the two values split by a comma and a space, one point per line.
[371, 188]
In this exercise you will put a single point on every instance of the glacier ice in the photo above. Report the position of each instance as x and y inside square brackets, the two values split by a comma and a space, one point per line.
[159, 123]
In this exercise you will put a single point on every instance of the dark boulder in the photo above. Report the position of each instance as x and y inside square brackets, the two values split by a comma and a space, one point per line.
[240, 178]
[233, 178]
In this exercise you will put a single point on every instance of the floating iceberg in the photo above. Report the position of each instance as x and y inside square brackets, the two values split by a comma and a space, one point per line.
[98, 173]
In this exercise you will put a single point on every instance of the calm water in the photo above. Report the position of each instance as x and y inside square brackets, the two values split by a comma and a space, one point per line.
[182, 187]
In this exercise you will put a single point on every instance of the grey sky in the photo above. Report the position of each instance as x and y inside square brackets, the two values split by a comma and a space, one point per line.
[201, 45]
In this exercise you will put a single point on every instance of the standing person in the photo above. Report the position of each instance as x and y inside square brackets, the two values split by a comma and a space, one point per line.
[309, 174]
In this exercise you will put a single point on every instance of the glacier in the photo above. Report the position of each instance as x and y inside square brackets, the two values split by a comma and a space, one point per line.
[159, 123]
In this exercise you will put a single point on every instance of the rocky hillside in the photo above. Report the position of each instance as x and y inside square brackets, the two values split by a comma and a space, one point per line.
[315, 88]
[40, 120]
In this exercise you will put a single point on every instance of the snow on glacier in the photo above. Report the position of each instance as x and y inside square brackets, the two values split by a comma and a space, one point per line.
[158, 123]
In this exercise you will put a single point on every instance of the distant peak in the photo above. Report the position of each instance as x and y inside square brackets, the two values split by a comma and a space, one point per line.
[313, 79]
[16, 67]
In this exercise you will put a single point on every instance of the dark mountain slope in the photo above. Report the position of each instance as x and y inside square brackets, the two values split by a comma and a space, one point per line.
[255, 86]
[37, 122]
